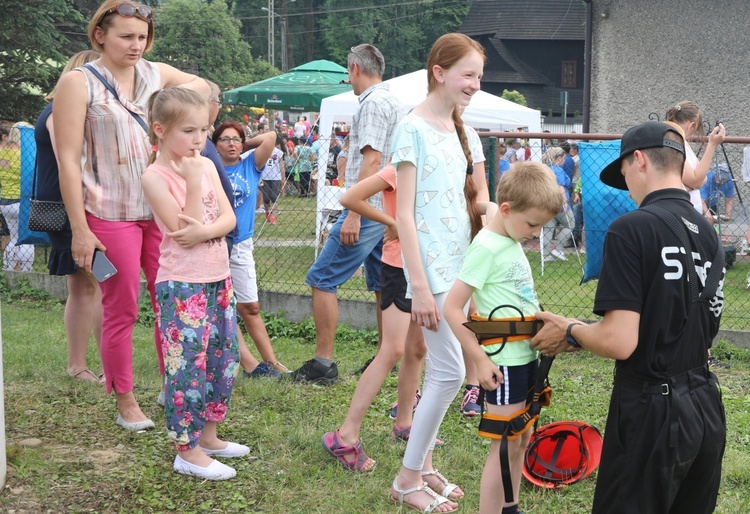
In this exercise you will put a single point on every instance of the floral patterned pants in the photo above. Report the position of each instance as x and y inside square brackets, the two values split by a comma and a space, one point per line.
[198, 328]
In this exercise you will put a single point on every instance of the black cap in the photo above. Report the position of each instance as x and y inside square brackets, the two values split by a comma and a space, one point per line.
[640, 137]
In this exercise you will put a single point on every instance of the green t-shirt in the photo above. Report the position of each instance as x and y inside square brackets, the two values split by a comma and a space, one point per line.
[497, 268]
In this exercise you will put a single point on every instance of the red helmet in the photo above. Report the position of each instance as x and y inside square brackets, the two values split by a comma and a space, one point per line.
[562, 453]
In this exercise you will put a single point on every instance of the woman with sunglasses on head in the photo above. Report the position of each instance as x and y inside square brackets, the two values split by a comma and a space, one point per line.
[102, 150]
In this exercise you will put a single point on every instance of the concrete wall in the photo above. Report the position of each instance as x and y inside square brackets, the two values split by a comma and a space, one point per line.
[647, 56]
[356, 314]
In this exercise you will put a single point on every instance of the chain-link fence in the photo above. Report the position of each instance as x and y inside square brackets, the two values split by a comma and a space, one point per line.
[285, 249]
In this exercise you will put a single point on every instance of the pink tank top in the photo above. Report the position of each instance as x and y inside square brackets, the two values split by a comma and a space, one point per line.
[205, 262]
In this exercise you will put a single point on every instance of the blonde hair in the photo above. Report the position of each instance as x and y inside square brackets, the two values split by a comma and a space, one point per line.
[447, 51]
[74, 62]
[169, 107]
[527, 185]
[102, 20]
[685, 112]
[550, 155]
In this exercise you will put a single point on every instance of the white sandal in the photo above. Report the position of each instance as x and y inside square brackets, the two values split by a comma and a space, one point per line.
[436, 502]
[449, 487]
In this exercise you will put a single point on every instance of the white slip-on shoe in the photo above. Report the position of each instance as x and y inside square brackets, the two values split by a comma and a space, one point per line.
[232, 450]
[214, 471]
[559, 255]
[136, 426]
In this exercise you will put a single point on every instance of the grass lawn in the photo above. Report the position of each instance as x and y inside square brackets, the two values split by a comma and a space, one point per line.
[88, 464]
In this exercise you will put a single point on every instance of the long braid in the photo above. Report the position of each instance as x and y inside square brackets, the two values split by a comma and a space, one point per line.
[470, 189]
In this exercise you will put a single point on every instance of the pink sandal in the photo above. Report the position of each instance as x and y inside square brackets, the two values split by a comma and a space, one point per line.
[402, 434]
[361, 462]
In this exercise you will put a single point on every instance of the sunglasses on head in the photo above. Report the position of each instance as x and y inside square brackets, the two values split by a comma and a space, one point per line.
[128, 11]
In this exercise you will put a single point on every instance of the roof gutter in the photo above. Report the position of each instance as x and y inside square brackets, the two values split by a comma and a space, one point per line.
[587, 68]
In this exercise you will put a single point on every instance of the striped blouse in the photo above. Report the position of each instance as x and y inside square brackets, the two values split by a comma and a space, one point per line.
[116, 148]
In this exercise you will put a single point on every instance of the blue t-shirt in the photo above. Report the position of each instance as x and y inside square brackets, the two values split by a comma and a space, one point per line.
[713, 190]
[562, 180]
[245, 177]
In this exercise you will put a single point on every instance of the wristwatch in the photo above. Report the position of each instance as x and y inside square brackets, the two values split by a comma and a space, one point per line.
[569, 337]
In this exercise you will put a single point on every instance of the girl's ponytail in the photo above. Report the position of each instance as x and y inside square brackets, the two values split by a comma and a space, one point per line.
[470, 189]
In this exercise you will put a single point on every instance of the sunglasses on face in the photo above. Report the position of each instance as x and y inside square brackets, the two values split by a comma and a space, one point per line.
[128, 11]
[227, 139]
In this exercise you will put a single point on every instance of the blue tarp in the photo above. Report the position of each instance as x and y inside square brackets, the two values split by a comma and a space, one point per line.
[601, 203]
[28, 164]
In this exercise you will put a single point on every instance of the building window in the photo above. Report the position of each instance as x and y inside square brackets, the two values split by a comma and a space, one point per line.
[569, 74]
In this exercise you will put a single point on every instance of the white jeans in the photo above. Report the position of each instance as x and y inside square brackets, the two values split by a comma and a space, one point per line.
[444, 374]
[15, 254]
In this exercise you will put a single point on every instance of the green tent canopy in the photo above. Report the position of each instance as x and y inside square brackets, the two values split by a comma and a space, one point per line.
[301, 89]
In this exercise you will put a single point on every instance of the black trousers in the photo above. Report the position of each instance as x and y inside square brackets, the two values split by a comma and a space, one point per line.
[662, 452]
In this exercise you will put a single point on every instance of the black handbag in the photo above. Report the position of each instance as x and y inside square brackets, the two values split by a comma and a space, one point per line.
[47, 216]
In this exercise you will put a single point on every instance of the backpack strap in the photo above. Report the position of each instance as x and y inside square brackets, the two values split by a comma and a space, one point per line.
[117, 97]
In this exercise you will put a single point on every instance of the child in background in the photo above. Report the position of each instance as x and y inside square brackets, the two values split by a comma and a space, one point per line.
[554, 158]
[196, 315]
[401, 336]
[496, 272]
[436, 215]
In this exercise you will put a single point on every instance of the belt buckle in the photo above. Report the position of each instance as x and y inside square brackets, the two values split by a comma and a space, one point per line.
[665, 389]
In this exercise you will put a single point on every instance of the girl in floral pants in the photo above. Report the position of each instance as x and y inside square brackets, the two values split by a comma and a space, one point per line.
[196, 307]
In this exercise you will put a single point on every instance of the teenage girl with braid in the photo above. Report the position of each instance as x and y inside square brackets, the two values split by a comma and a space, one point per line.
[436, 217]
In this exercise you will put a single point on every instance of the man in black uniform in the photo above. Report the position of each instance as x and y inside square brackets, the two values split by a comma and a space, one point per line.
[666, 430]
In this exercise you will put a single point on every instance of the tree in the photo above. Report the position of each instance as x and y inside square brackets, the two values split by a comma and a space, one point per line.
[204, 39]
[403, 31]
[35, 46]
[514, 96]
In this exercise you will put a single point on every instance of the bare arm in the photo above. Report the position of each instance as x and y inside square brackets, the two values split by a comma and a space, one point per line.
[614, 337]
[186, 226]
[171, 77]
[424, 309]
[355, 199]
[350, 228]
[71, 104]
[696, 177]
[264, 145]
[487, 372]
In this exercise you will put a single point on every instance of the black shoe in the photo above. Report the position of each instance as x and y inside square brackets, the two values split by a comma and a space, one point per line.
[364, 366]
[569, 244]
[716, 363]
[313, 372]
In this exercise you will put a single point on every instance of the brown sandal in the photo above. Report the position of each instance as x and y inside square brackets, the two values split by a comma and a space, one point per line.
[85, 375]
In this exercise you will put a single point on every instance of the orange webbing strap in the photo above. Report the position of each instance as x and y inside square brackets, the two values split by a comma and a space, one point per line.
[510, 427]
[494, 426]
[497, 331]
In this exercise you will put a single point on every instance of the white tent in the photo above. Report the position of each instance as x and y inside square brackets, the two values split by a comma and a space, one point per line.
[485, 112]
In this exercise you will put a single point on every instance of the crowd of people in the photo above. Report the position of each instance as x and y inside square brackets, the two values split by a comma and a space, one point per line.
[177, 200]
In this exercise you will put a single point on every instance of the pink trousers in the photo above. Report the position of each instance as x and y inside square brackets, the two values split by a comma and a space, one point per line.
[131, 246]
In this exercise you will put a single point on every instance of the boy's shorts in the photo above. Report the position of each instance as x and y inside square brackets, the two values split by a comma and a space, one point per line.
[242, 268]
[393, 288]
[515, 389]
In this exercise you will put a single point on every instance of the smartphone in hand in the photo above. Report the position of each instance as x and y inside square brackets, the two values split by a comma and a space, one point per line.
[101, 267]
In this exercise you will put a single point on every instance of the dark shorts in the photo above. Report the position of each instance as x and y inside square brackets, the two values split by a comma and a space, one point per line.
[393, 288]
[270, 190]
[515, 389]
